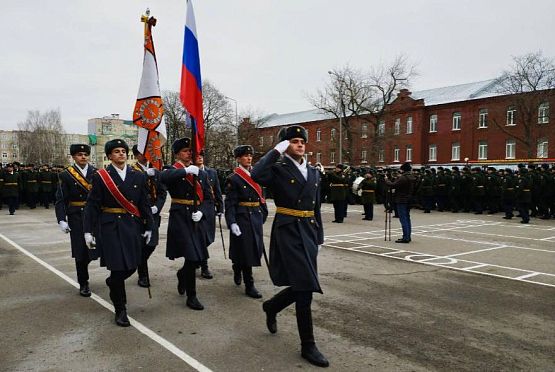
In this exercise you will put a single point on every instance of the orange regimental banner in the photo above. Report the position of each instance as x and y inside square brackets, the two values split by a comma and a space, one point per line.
[149, 109]
[120, 198]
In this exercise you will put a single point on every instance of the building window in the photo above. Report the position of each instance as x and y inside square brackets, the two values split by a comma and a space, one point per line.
[396, 153]
[318, 135]
[4, 145]
[381, 128]
[4, 155]
[542, 148]
[363, 156]
[332, 134]
[543, 113]
[511, 115]
[307, 135]
[482, 150]
[381, 157]
[397, 126]
[409, 153]
[483, 118]
[456, 151]
[261, 141]
[456, 121]
[14, 155]
[318, 157]
[432, 153]
[409, 125]
[14, 146]
[364, 131]
[433, 123]
[332, 157]
[510, 147]
[271, 139]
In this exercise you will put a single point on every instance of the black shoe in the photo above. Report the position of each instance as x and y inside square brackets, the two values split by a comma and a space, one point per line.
[206, 274]
[11, 213]
[311, 353]
[524, 221]
[402, 241]
[180, 284]
[237, 277]
[271, 321]
[427, 212]
[367, 219]
[477, 212]
[507, 218]
[84, 290]
[252, 292]
[144, 282]
[121, 318]
[194, 303]
[337, 221]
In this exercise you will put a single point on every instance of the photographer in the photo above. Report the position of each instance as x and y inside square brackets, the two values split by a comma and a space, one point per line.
[403, 186]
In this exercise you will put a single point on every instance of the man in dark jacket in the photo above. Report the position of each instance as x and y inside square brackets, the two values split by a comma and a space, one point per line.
[296, 234]
[116, 213]
[73, 188]
[245, 213]
[11, 188]
[403, 186]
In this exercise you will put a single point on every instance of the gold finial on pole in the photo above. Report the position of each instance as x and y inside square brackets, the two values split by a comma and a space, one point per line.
[146, 16]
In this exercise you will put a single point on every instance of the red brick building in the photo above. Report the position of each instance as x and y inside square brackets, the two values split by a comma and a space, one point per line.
[444, 126]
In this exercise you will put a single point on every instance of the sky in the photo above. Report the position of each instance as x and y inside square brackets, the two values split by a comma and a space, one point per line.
[85, 57]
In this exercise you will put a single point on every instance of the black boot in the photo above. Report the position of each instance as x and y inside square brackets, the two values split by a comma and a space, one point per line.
[190, 288]
[144, 280]
[117, 295]
[236, 274]
[309, 351]
[121, 318]
[181, 281]
[194, 303]
[274, 305]
[205, 271]
[84, 290]
[250, 289]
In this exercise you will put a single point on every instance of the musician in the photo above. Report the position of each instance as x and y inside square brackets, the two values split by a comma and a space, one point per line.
[188, 235]
[339, 188]
[296, 234]
[116, 214]
[73, 188]
[245, 213]
[216, 210]
[368, 197]
[157, 197]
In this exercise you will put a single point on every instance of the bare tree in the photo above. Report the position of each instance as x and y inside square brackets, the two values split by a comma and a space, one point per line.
[174, 120]
[530, 82]
[41, 138]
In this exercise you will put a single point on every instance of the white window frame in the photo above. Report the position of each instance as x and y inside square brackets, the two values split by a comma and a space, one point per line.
[318, 157]
[381, 128]
[408, 153]
[543, 113]
[482, 150]
[381, 155]
[456, 151]
[457, 119]
[511, 116]
[409, 125]
[483, 118]
[4, 155]
[397, 128]
[333, 132]
[432, 153]
[433, 123]
[332, 157]
[396, 154]
[542, 149]
[364, 131]
[261, 141]
[510, 149]
[318, 135]
[363, 156]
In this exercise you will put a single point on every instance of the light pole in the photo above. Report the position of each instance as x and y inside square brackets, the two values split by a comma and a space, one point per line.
[236, 118]
[340, 114]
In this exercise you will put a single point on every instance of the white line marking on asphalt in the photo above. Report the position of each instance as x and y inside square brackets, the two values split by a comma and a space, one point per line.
[549, 238]
[139, 326]
[526, 276]
[476, 251]
[474, 267]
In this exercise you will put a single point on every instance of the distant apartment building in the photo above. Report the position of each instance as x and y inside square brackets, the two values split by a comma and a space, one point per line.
[9, 149]
[102, 130]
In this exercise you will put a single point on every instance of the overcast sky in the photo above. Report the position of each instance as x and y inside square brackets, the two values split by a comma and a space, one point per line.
[85, 57]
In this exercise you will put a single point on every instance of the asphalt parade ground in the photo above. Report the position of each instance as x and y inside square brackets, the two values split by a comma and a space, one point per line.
[469, 293]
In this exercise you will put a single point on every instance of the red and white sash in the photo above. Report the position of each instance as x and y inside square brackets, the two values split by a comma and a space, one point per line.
[122, 200]
[247, 178]
[190, 179]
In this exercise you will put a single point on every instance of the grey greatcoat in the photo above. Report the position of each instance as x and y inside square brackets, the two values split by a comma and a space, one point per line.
[184, 238]
[246, 249]
[70, 190]
[215, 203]
[294, 240]
[118, 235]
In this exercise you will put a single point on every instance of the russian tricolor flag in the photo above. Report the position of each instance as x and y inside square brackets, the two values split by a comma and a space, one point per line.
[191, 82]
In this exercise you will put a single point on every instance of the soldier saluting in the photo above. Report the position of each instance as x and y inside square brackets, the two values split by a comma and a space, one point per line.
[245, 213]
[74, 184]
[296, 234]
[116, 213]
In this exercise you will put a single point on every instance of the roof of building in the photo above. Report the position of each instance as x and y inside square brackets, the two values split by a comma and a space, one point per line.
[431, 97]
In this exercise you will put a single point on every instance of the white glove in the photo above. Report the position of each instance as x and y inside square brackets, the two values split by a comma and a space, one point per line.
[64, 226]
[192, 169]
[319, 247]
[89, 240]
[151, 172]
[219, 214]
[235, 230]
[154, 209]
[282, 146]
[147, 235]
[196, 216]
